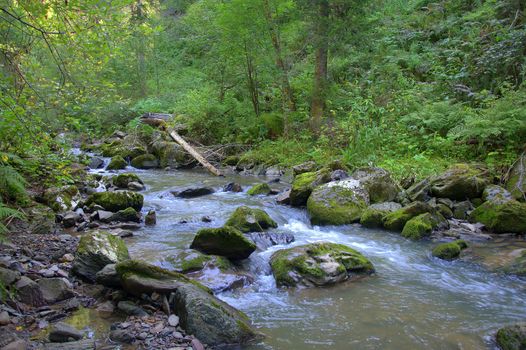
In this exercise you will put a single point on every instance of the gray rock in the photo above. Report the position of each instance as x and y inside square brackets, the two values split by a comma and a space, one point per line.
[496, 194]
[193, 192]
[151, 218]
[283, 197]
[104, 215]
[135, 186]
[122, 336]
[29, 292]
[462, 209]
[173, 321]
[18, 344]
[96, 163]
[8, 277]
[62, 333]
[265, 240]
[232, 187]
[108, 277]
[131, 309]
[338, 175]
[55, 289]
[4, 318]
[386, 206]
[71, 218]
[304, 168]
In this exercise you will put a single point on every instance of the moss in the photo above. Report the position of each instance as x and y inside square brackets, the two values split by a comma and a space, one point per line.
[145, 161]
[396, 220]
[191, 260]
[117, 163]
[97, 240]
[259, 189]
[248, 219]
[122, 180]
[131, 152]
[128, 214]
[224, 241]
[231, 160]
[460, 182]
[449, 251]
[509, 217]
[303, 185]
[445, 211]
[289, 263]
[512, 337]
[115, 201]
[336, 205]
[373, 217]
[60, 198]
[422, 225]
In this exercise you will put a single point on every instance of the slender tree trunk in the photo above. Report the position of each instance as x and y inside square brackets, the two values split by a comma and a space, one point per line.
[139, 17]
[252, 81]
[288, 97]
[320, 74]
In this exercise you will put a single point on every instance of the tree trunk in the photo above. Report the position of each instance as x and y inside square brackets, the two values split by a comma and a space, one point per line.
[139, 17]
[320, 75]
[288, 97]
[252, 81]
[194, 153]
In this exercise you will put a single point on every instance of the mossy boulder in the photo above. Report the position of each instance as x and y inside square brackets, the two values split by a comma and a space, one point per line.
[449, 251]
[96, 250]
[259, 189]
[126, 215]
[318, 264]
[224, 241]
[145, 161]
[373, 216]
[122, 180]
[231, 160]
[516, 182]
[130, 152]
[61, 198]
[460, 182]
[396, 220]
[512, 337]
[190, 260]
[378, 183]
[302, 168]
[423, 225]
[248, 219]
[117, 163]
[420, 191]
[498, 217]
[304, 184]
[118, 200]
[337, 203]
[496, 194]
[171, 154]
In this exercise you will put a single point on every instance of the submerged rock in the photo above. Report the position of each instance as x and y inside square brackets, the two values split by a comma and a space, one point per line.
[259, 189]
[248, 219]
[449, 251]
[96, 250]
[117, 163]
[304, 184]
[318, 264]
[337, 203]
[118, 200]
[224, 241]
[512, 337]
[396, 220]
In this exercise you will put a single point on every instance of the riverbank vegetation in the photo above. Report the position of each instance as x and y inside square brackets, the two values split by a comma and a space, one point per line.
[410, 86]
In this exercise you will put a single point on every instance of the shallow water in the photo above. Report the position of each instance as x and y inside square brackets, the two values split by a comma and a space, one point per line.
[413, 301]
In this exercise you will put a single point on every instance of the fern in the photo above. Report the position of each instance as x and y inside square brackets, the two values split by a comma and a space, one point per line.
[12, 183]
[5, 214]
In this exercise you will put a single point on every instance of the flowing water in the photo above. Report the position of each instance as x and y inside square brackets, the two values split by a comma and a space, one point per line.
[413, 301]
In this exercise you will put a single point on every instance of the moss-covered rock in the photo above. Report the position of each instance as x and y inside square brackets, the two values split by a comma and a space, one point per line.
[248, 219]
[374, 214]
[512, 337]
[126, 215]
[231, 160]
[190, 260]
[259, 189]
[378, 183]
[444, 210]
[337, 203]
[419, 191]
[496, 194]
[318, 264]
[224, 241]
[422, 225]
[460, 182]
[507, 217]
[302, 168]
[396, 220]
[122, 180]
[449, 251]
[118, 200]
[61, 198]
[117, 163]
[171, 154]
[145, 161]
[96, 250]
[304, 183]
[516, 182]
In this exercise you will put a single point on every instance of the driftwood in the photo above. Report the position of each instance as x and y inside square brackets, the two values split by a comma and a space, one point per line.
[194, 153]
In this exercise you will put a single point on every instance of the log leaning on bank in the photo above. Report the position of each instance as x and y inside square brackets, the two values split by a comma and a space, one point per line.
[177, 138]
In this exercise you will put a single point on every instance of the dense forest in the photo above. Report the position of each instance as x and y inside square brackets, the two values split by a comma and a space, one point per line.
[410, 86]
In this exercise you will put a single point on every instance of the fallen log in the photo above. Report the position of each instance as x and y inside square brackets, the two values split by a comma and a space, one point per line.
[194, 153]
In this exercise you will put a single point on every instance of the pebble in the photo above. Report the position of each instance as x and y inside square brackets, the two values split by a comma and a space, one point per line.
[196, 345]
[4, 318]
[67, 258]
[173, 320]
[142, 336]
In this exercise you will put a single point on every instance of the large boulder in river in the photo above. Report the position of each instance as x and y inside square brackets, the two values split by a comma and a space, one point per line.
[378, 183]
[200, 313]
[396, 220]
[61, 198]
[123, 180]
[96, 250]
[118, 200]
[460, 182]
[516, 182]
[318, 264]
[450, 250]
[190, 260]
[337, 203]
[247, 219]
[374, 214]
[512, 337]
[117, 163]
[259, 189]
[423, 225]
[224, 241]
[304, 183]
[501, 216]
[145, 161]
